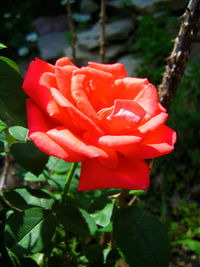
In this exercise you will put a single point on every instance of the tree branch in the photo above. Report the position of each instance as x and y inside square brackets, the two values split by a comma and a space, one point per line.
[176, 63]
[71, 25]
[102, 29]
[175, 67]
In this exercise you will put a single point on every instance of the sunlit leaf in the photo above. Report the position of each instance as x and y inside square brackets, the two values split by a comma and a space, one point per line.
[29, 231]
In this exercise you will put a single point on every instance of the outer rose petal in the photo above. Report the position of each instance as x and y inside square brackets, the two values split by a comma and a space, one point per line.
[68, 141]
[148, 99]
[117, 70]
[113, 141]
[130, 174]
[35, 70]
[38, 124]
[153, 123]
[155, 144]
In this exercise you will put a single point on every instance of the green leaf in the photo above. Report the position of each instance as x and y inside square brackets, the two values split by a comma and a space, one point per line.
[11, 63]
[2, 46]
[29, 157]
[102, 217]
[12, 97]
[24, 198]
[29, 231]
[76, 220]
[141, 238]
[3, 126]
[33, 178]
[193, 245]
[58, 165]
[19, 133]
[57, 181]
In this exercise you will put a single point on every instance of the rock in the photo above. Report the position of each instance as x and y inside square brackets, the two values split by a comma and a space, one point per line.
[88, 6]
[149, 6]
[112, 53]
[114, 31]
[130, 64]
[50, 45]
[44, 25]
[114, 3]
[89, 39]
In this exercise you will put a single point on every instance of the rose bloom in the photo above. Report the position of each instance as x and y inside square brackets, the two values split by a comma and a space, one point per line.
[100, 117]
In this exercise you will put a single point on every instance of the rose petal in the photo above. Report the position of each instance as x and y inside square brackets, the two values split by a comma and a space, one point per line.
[100, 87]
[153, 123]
[78, 119]
[38, 124]
[78, 87]
[148, 99]
[67, 140]
[157, 143]
[35, 70]
[124, 116]
[63, 77]
[113, 141]
[117, 70]
[64, 61]
[130, 174]
[129, 87]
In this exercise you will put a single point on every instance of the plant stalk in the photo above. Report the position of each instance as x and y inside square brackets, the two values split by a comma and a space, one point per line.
[68, 180]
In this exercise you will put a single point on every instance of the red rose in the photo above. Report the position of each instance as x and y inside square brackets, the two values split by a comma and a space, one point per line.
[99, 116]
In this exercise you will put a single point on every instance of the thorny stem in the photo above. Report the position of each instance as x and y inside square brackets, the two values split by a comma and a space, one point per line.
[68, 181]
[175, 67]
[71, 25]
[176, 63]
[102, 29]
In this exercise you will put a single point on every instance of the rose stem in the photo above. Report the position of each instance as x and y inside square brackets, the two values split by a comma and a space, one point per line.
[175, 67]
[176, 63]
[72, 28]
[102, 29]
[68, 180]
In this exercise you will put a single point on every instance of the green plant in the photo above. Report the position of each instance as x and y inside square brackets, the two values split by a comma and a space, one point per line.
[153, 44]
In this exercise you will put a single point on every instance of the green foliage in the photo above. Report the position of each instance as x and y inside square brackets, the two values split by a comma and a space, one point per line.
[185, 227]
[12, 97]
[29, 156]
[29, 231]
[141, 238]
[153, 44]
[77, 221]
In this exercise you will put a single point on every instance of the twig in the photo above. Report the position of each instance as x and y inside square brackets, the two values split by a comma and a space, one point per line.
[176, 63]
[102, 30]
[175, 67]
[71, 25]
[5, 171]
[124, 199]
